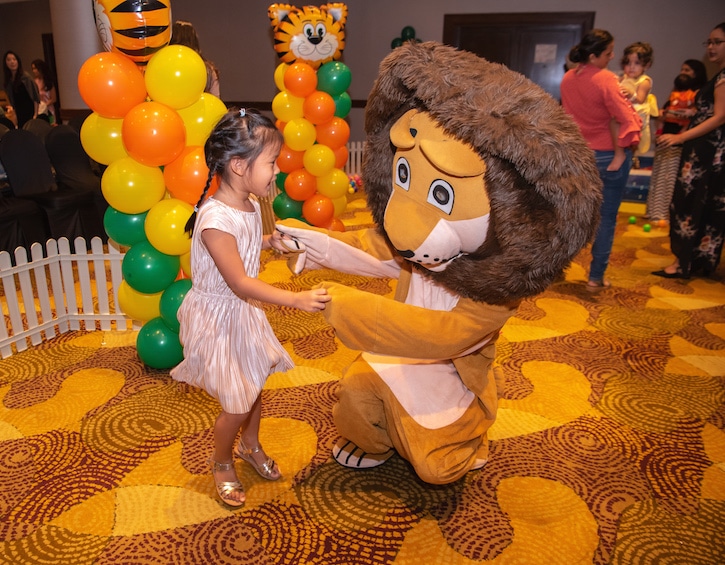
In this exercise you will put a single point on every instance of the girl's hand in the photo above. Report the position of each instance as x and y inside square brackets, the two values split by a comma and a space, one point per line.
[669, 139]
[312, 300]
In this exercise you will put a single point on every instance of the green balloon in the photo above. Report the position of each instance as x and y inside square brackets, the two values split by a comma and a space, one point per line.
[285, 207]
[125, 229]
[158, 346]
[343, 104]
[279, 181]
[147, 270]
[334, 78]
[407, 33]
[170, 301]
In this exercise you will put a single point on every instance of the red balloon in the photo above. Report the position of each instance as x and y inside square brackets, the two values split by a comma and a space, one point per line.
[111, 84]
[300, 185]
[300, 79]
[290, 160]
[318, 210]
[185, 177]
[318, 107]
[334, 133]
[153, 134]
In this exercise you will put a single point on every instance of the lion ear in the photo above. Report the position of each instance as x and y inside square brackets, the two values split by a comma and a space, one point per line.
[278, 12]
[401, 134]
[338, 11]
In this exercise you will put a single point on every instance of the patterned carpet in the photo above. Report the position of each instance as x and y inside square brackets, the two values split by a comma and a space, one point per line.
[609, 447]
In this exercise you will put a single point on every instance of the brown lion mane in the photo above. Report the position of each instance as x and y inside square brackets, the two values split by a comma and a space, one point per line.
[541, 176]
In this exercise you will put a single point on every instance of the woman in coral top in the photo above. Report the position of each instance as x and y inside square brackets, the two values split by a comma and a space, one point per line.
[590, 93]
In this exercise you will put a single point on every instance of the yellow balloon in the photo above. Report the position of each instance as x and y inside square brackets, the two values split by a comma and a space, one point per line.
[286, 107]
[201, 117]
[175, 76]
[299, 134]
[333, 184]
[279, 75]
[340, 205]
[185, 261]
[101, 138]
[131, 187]
[319, 160]
[138, 305]
[165, 226]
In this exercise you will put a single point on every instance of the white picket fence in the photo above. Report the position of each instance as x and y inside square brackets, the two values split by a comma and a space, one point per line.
[52, 293]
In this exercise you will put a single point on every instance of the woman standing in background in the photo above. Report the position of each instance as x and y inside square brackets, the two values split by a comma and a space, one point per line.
[20, 88]
[46, 89]
[697, 211]
[590, 94]
[183, 33]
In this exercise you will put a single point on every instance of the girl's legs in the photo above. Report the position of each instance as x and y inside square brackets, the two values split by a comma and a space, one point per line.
[226, 429]
[614, 183]
[249, 448]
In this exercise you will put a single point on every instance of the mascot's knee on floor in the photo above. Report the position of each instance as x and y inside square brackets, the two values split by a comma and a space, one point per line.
[482, 191]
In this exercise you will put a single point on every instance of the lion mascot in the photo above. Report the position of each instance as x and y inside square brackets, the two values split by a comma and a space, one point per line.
[482, 191]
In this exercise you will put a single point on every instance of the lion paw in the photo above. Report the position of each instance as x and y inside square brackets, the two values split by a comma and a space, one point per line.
[347, 454]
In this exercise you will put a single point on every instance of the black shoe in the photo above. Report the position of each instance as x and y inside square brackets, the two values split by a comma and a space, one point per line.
[676, 275]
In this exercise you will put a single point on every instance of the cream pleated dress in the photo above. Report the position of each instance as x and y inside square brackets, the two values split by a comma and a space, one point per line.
[229, 347]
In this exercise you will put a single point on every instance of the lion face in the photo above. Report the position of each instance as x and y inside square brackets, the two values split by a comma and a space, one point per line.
[438, 209]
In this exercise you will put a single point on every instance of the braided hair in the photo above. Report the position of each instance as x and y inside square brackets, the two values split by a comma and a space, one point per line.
[242, 133]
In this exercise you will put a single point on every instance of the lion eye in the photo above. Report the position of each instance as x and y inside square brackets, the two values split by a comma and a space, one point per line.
[441, 195]
[321, 29]
[402, 173]
[308, 30]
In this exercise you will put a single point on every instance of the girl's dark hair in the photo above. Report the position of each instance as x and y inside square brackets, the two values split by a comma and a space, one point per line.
[45, 72]
[643, 50]
[241, 133]
[8, 73]
[700, 73]
[593, 43]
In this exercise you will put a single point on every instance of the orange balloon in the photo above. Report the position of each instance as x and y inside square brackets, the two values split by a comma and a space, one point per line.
[111, 84]
[341, 156]
[318, 210]
[290, 160]
[318, 107]
[186, 176]
[300, 185]
[334, 133]
[153, 133]
[300, 79]
[336, 225]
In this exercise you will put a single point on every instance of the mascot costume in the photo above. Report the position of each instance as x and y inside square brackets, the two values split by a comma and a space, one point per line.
[482, 190]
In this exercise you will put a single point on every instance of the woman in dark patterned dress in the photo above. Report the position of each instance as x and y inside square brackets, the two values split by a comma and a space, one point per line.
[697, 211]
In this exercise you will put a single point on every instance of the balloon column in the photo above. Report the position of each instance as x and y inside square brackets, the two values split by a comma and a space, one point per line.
[311, 107]
[149, 129]
[406, 34]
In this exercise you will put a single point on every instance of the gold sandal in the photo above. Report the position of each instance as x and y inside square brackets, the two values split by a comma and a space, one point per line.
[267, 470]
[226, 488]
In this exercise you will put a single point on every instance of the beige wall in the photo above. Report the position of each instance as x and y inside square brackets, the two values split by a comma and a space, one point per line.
[236, 34]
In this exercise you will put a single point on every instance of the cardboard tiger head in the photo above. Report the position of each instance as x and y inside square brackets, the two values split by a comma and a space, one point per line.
[134, 28]
[309, 34]
[475, 174]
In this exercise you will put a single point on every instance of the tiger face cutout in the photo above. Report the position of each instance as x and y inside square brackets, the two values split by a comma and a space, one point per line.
[134, 28]
[309, 34]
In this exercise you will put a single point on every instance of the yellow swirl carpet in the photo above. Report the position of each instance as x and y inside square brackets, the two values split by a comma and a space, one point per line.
[609, 447]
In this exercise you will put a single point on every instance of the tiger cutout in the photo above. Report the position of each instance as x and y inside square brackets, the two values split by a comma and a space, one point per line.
[309, 34]
[134, 28]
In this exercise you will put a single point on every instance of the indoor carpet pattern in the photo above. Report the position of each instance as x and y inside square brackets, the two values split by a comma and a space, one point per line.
[609, 445]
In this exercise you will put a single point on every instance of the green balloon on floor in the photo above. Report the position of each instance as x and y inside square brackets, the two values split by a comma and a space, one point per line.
[158, 346]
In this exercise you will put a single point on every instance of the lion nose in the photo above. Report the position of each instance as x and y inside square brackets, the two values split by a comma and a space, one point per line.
[407, 254]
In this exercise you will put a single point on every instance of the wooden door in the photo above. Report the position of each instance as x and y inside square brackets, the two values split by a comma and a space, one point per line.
[534, 44]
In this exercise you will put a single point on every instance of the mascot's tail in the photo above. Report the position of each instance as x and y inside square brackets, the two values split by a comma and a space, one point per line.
[541, 177]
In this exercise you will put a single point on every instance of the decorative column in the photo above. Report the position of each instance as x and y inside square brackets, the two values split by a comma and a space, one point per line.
[75, 40]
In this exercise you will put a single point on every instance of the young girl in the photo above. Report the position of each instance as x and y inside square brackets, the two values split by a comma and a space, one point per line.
[229, 346]
[636, 87]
